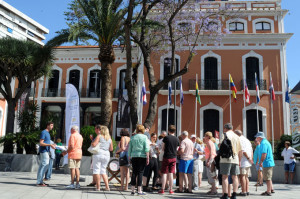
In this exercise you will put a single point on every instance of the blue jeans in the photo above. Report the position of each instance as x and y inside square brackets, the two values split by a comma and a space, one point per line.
[49, 170]
[44, 162]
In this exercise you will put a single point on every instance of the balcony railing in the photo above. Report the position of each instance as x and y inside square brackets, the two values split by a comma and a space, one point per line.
[209, 84]
[30, 93]
[83, 92]
[262, 84]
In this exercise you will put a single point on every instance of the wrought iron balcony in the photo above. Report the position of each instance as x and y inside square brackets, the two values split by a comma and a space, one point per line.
[83, 92]
[209, 84]
[262, 84]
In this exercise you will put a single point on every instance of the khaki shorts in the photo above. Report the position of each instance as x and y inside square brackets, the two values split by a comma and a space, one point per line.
[268, 173]
[74, 164]
[245, 171]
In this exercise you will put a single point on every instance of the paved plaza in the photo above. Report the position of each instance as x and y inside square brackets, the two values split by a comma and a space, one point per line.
[15, 185]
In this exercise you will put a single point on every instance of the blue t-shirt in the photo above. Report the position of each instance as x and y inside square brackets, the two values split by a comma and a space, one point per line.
[265, 147]
[256, 154]
[46, 137]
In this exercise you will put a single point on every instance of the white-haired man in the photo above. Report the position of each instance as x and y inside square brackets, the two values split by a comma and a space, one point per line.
[74, 156]
[186, 163]
[246, 162]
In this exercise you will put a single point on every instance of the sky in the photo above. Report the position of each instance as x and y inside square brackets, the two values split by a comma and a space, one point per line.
[50, 13]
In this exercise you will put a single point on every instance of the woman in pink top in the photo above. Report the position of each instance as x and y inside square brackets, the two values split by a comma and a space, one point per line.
[210, 154]
[123, 151]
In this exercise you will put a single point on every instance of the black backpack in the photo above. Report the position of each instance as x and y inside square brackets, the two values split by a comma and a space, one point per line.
[226, 148]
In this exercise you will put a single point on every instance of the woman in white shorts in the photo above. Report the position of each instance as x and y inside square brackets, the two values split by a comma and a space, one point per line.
[101, 159]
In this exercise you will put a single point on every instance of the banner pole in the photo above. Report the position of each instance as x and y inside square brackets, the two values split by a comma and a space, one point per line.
[272, 114]
[196, 108]
[230, 100]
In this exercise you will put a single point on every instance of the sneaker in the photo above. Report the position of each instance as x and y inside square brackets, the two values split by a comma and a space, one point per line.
[224, 197]
[161, 191]
[196, 189]
[242, 194]
[142, 194]
[171, 192]
[77, 186]
[71, 186]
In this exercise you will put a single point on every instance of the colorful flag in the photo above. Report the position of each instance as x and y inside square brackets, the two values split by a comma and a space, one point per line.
[257, 90]
[197, 94]
[271, 89]
[143, 93]
[232, 87]
[247, 94]
[287, 97]
[170, 93]
[181, 91]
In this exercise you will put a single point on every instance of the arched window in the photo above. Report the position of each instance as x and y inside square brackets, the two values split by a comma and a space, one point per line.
[74, 78]
[252, 67]
[95, 83]
[168, 70]
[171, 119]
[53, 84]
[263, 26]
[251, 123]
[236, 26]
[211, 73]
[211, 121]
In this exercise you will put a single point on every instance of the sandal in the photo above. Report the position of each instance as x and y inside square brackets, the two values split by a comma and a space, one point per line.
[265, 194]
[213, 193]
[188, 191]
[272, 191]
[91, 184]
[178, 191]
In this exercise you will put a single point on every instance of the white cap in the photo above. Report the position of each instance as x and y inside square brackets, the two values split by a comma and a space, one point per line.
[193, 136]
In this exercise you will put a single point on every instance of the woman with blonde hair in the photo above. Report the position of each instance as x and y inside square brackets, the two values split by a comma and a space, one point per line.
[200, 164]
[138, 151]
[101, 159]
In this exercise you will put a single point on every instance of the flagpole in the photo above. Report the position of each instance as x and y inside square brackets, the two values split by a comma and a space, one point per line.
[196, 109]
[230, 99]
[168, 110]
[175, 118]
[271, 97]
[244, 79]
[180, 109]
[257, 119]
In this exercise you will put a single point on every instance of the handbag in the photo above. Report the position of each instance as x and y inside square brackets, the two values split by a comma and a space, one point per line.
[94, 150]
[123, 160]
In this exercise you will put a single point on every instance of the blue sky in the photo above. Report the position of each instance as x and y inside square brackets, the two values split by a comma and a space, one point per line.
[50, 13]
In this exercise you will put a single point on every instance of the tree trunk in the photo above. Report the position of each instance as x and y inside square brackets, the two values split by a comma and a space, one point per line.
[11, 105]
[106, 94]
[152, 110]
[8, 145]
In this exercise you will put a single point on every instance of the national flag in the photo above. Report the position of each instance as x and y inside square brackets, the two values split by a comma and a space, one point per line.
[197, 94]
[170, 93]
[247, 94]
[232, 87]
[143, 93]
[181, 91]
[287, 97]
[271, 89]
[257, 90]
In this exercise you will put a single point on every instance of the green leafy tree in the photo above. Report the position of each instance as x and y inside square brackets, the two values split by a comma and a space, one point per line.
[25, 61]
[99, 21]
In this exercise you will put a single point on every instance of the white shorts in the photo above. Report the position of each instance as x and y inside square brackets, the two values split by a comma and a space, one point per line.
[100, 163]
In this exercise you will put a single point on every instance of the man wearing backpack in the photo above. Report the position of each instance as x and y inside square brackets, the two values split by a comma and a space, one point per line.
[230, 152]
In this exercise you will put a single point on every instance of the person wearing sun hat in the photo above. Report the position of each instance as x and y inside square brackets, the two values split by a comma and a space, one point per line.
[266, 161]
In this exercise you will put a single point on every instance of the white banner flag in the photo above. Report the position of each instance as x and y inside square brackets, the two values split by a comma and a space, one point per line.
[72, 113]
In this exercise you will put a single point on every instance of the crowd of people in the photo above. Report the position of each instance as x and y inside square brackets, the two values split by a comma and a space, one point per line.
[167, 158]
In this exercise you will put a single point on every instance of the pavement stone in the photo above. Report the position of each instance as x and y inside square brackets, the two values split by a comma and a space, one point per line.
[15, 185]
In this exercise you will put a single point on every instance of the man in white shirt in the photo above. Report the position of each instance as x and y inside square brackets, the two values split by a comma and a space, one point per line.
[246, 162]
[289, 161]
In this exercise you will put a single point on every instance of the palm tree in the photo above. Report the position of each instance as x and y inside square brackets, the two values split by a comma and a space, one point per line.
[100, 21]
[25, 61]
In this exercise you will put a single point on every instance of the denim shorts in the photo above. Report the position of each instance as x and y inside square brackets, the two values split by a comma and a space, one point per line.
[186, 166]
[290, 167]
